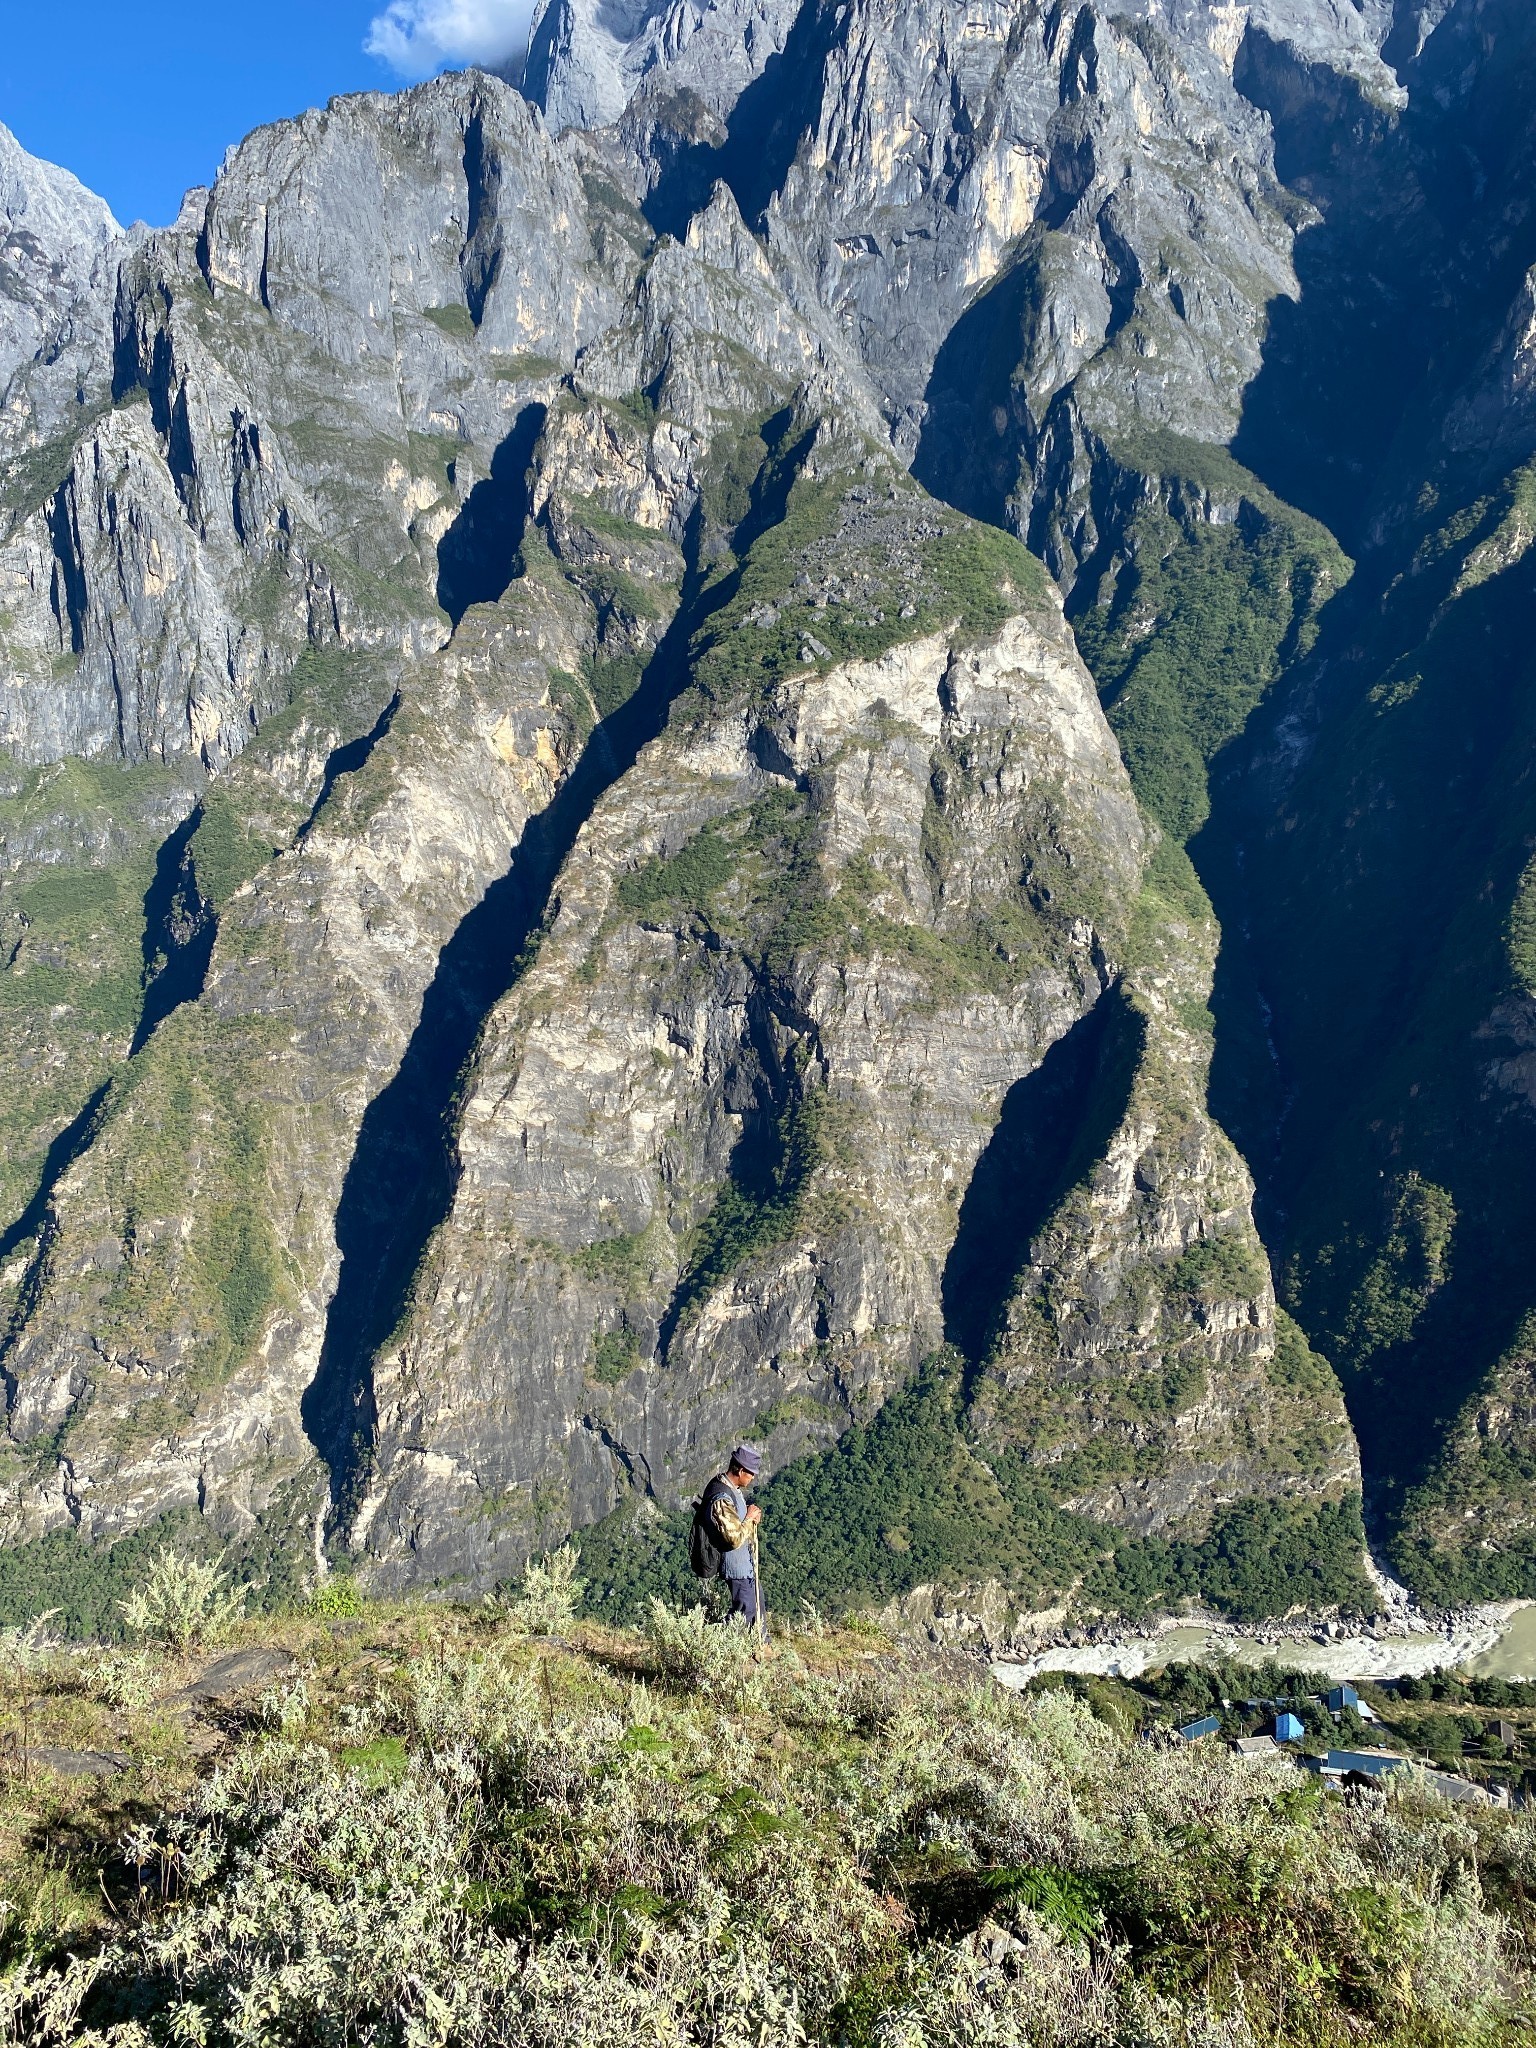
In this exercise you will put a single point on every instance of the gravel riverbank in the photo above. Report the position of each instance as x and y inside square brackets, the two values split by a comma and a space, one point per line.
[1407, 1646]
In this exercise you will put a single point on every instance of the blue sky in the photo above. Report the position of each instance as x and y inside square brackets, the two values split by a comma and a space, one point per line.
[142, 101]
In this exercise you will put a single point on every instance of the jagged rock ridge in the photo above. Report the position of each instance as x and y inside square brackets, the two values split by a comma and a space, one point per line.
[614, 848]
[51, 233]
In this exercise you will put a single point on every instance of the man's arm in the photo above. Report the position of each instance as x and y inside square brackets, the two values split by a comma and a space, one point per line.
[733, 1530]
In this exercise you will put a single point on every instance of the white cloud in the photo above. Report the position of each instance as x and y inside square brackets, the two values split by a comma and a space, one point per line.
[418, 37]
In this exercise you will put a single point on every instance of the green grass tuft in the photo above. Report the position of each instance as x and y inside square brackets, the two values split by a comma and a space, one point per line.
[455, 321]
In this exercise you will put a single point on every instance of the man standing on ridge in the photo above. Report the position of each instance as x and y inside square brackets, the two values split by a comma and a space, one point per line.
[725, 1529]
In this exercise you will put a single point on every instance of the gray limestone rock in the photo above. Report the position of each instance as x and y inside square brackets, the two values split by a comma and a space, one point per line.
[624, 1084]
[52, 232]
[236, 1672]
[1077, 205]
[626, 845]
[75, 1763]
[586, 61]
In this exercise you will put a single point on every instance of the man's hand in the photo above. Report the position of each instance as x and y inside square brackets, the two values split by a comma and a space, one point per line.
[754, 1515]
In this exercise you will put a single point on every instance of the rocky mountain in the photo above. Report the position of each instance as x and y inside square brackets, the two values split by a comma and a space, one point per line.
[51, 233]
[573, 889]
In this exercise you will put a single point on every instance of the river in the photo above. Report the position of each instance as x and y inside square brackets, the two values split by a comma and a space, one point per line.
[1486, 1642]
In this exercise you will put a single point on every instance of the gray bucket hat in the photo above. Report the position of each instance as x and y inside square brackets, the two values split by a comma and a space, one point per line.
[745, 1459]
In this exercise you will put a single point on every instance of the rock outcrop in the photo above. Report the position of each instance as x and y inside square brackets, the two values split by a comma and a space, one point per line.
[565, 867]
[52, 232]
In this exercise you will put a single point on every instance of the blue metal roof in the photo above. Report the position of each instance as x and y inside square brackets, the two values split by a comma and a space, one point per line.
[1368, 1762]
[1288, 1728]
[1193, 1730]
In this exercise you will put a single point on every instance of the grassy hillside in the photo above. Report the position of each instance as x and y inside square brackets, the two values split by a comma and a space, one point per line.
[498, 1826]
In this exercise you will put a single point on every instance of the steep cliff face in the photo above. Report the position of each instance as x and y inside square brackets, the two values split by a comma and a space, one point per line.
[1080, 219]
[1137, 1365]
[1077, 212]
[1388, 790]
[586, 62]
[716, 1138]
[52, 231]
[179, 1360]
[847, 930]
[611, 913]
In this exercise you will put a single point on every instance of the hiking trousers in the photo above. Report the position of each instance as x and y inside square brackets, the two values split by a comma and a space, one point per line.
[746, 1600]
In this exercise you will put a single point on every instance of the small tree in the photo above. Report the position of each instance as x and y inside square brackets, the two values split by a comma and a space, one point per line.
[182, 1602]
[28, 1653]
[27, 1657]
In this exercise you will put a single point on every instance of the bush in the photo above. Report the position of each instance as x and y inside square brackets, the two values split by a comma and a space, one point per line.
[183, 1602]
[126, 1680]
[286, 1707]
[553, 1853]
[550, 1594]
[1023, 1988]
[27, 1654]
[336, 1598]
[713, 1657]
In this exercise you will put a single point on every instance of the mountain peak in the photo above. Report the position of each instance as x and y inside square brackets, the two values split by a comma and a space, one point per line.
[50, 204]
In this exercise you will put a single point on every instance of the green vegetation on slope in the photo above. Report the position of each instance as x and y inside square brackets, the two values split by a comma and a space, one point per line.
[178, 1159]
[846, 572]
[1202, 622]
[1468, 1528]
[1522, 933]
[1392, 895]
[758, 1209]
[77, 855]
[77, 1587]
[911, 1498]
[181, 1139]
[1380, 915]
[687, 880]
[438, 1825]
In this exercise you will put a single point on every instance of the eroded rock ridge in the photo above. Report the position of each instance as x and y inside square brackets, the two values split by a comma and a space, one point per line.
[571, 890]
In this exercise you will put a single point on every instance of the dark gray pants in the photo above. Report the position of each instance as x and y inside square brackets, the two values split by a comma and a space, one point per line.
[746, 1600]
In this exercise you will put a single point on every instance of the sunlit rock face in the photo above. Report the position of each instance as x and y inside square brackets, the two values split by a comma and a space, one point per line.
[567, 887]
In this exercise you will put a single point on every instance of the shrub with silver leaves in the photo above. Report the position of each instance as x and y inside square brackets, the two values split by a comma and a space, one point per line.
[550, 1594]
[714, 1657]
[182, 1602]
